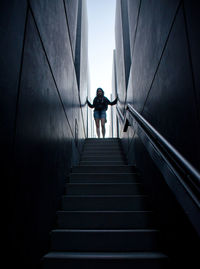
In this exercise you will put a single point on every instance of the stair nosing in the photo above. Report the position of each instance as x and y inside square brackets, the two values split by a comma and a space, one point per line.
[104, 211]
[125, 165]
[108, 255]
[103, 161]
[105, 173]
[104, 195]
[105, 230]
[117, 183]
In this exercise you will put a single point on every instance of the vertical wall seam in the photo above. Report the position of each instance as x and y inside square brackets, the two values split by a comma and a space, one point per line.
[162, 53]
[78, 42]
[19, 81]
[136, 28]
[73, 57]
[123, 51]
[196, 96]
[132, 52]
[163, 50]
[132, 49]
[50, 68]
[124, 10]
[115, 72]
[70, 40]
[126, 49]
[13, 149]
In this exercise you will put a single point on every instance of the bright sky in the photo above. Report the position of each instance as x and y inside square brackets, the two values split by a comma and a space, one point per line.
[101, 42]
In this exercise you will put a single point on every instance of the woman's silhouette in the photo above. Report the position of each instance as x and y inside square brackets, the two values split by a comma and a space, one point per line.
[100, 105]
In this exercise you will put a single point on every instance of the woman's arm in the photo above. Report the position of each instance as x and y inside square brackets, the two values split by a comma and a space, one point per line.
[113, 102]
[89, 104]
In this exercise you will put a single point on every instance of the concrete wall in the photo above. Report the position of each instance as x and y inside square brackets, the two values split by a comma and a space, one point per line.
[164, 86]
[43, 118]
[163, 83]
[114, 94]
[123, 50]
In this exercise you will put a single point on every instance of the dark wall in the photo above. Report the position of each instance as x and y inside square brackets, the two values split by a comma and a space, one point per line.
[83, 82]
[81, 56]
[163, 82]
[42, 122]
[120, 59]
[163, 85]
[72, 18]
[90, 125]
[114, 94]
[12, 27]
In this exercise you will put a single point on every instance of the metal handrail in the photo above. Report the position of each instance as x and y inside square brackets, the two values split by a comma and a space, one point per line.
[190, 172]
[185, 165]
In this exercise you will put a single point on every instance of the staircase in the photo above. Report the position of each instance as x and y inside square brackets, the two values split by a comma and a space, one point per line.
[106, 219]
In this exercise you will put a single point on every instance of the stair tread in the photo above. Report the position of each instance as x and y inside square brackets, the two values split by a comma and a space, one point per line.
[103, 149]
[106, 205]
[107, 255]
[103, 195]
[102, 169]
[105, 231]
[100, 164]
[102, 219]
[97, 188]
[102, 161]
[102, 158]
[104, 211]
[123, 165]
[106, 184]
[105, 202]
[105, 173]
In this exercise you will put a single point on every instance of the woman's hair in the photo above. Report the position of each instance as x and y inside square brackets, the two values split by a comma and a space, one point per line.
[100, 90]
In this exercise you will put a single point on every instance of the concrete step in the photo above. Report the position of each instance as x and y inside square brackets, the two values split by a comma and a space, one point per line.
[106, 221]
[102, 163]
[106, 260]
[104, 178]
[105, 202]
[103, 188]
[103, 151]
[110, 154]
[105, 240]
[103, 158]
[104, 169]
[102, 141]
[102, 147]
[103, 220]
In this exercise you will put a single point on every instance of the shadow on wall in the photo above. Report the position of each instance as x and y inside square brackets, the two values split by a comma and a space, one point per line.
[162, 85]
[43, 121]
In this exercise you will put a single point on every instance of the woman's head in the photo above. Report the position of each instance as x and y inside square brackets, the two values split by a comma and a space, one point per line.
[100, 92]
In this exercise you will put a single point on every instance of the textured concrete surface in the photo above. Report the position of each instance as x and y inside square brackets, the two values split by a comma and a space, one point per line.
[163, 81]
[163, 85]
[72, 5]
[12, 26]
[43, 124]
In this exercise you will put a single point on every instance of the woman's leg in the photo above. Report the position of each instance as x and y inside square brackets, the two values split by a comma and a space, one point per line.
[97, 127]
[103, 127]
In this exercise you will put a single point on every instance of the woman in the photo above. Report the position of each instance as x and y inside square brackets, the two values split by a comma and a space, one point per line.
[100, 105]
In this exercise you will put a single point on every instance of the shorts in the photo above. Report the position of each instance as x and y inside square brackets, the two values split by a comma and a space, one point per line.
[100, 114]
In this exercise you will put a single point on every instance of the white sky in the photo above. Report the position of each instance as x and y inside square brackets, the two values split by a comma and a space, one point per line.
[101, 42]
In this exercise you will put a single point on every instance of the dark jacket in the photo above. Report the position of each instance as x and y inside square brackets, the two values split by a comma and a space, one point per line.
[101, 103]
